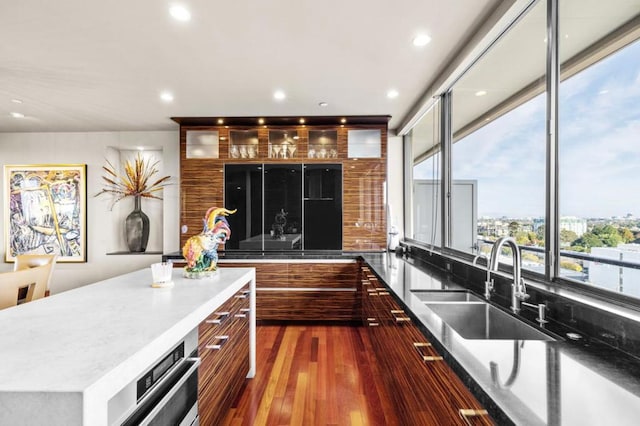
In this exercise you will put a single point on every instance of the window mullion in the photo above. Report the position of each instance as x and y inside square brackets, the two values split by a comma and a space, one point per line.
[552, 231]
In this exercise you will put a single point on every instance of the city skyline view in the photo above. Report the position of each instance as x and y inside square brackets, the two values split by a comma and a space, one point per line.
[599, 146]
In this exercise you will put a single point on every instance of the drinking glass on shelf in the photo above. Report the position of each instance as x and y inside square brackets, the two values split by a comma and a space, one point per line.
[292, 149]
[284, 151]
[333, 153]
[251, 151]
[243, 151]
[312, 153]
[276, 151]
[234, 151]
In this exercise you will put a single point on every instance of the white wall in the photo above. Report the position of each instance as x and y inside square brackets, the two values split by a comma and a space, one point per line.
[104, 226]
[395, 183]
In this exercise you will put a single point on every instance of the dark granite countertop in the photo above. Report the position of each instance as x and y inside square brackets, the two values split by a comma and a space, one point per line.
[561, 382]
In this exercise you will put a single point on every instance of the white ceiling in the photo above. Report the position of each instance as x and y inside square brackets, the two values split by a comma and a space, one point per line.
[86, 65]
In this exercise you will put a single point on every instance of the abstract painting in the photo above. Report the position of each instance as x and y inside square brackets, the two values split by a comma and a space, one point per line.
[45, 211]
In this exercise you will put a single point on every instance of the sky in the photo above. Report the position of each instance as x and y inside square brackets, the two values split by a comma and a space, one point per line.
[599, 133]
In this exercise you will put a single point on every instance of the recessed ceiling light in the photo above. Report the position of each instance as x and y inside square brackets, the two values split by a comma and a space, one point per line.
[344, 120]
[391, 94]
[16, 101]
[180, 13]
[302, 121]
[220, 121]
[323, 104]
[279, 95]
[16, 114]
[481, 92]
[260, 120]
[421, 40]
[166, 96]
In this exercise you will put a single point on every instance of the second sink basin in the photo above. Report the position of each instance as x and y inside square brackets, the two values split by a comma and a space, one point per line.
[480, 320]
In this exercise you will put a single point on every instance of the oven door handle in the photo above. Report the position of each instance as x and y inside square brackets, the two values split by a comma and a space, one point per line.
[167, 397]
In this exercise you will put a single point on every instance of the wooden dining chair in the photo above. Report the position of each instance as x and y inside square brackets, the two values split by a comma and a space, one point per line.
[24, 261]
[33, 279]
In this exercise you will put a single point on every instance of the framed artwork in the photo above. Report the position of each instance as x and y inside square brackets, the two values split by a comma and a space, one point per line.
[45, 210]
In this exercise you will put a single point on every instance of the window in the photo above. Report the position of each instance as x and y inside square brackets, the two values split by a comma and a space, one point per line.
[425, 141]
[498, 147]
[498, 144]
[599, 153]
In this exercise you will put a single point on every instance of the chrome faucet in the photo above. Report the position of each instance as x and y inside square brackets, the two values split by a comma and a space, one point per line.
[488, 282]
[518, 289]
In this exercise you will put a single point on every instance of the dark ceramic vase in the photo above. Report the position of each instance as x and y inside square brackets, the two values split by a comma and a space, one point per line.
[137, 228]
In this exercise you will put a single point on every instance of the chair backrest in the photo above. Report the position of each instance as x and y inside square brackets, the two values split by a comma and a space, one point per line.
[34, 279]
[24, 261]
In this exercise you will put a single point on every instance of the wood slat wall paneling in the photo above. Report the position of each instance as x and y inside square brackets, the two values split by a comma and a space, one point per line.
[364, 215]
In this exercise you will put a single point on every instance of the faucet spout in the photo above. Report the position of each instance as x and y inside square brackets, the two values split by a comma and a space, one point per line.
[488, 282]
[518, 292]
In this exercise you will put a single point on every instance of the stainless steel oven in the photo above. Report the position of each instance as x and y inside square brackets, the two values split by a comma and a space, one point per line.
[173, 400]
[165, 394]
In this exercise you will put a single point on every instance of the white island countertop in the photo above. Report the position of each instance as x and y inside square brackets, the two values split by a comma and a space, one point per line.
[63, 357]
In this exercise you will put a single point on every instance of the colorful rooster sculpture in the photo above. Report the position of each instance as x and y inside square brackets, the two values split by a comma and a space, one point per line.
[201, 251]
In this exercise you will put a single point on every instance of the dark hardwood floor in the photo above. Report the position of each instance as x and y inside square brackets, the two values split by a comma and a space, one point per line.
[313, 375]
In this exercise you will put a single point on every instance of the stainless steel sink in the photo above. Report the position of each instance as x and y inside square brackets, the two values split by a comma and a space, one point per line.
[446, 296]
[481, 320]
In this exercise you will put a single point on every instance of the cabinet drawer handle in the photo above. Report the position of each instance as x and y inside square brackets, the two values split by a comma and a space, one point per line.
[397, 311]
[240, 315]
[221, 316]
[245, 310]
[221, 341]
[373, 324]
[383, 293]
[426, 358]
[466, 413]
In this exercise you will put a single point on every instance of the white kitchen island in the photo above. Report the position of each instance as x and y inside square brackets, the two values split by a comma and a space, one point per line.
[62, 358]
